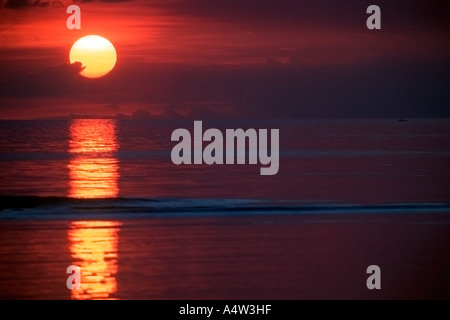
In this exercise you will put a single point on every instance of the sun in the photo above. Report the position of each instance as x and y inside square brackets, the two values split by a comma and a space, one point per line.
[96, 54]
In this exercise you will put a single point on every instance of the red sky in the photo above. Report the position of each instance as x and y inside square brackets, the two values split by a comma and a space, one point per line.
[187, 52]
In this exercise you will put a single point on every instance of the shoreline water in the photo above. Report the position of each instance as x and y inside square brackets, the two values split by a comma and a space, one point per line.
[238, 257]
[34, 207]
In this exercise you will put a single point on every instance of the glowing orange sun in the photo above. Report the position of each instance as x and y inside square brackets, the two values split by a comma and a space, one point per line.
[96, 54]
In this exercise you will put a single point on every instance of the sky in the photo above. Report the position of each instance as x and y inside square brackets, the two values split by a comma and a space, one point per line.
[229, 58]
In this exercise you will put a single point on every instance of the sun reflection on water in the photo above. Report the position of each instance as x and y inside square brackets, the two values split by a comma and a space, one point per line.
[94, 248]
[94, 173]
[93, 168]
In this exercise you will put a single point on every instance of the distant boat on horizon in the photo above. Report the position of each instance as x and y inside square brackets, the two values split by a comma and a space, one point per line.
[403, 120]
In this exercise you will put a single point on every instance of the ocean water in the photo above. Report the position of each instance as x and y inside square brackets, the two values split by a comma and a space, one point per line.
[104, 195]
[323, 163]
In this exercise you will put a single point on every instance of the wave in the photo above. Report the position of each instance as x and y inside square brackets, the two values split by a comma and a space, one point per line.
[34, 207]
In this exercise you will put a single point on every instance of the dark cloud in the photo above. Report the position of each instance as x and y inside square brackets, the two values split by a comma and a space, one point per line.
[21, 4]
[112, 106]
[270, 13]
[347, 13]
[16, 4]
[381, 88]
[50, 82]
[107, 1]
[387, 87]
[289, 12]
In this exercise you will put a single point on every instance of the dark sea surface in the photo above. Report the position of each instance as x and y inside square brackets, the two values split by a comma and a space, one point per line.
[322, 162]
[104, 194]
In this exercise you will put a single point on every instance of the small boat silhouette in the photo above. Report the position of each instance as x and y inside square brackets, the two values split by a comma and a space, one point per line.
[401, 119]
